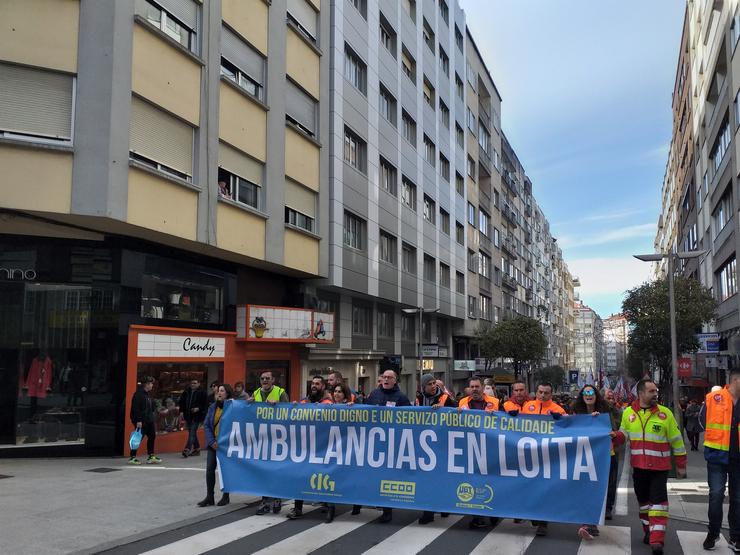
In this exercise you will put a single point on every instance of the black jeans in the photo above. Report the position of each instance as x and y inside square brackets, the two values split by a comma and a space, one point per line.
[718, 475]
[611, 491]
[192, 441]
[147, 429]
[210, 472]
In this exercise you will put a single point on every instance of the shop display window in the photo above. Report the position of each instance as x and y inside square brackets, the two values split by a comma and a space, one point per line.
[167, 298]
[170, 380]
[280, 371]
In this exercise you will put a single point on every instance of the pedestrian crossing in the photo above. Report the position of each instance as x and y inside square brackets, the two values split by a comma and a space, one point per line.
[245, 533]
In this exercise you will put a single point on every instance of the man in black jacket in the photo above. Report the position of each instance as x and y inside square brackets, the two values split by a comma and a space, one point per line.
[388, 395]
[142, 417]
[193, 408]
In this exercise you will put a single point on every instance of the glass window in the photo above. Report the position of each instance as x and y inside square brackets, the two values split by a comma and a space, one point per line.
[388, 177]
[386, 327]
[241, 78]
[387, 35]
[408, 194]
[354, 150]
[444, 112]
[362, 319]
[428, 91]
[233, 187]
[409, 128]
[727, 280]
[408, 327]
[387, 105]
[195, 298]
[483, 222]
[354, 231]
[459, 233]
[444, 221]
[444, 61]
[459, 88]
[471, 214]
[428, 35]
[444, 275]
[459, 136]
[408, 259]
[355, 70]
[459, 184]
[444, 11]
[430, 153]
[429, 209]
[408, 64]
[430, 268]
[167, 22]
[388, 248]
[444, 167]
[460, 282]
[298, 219]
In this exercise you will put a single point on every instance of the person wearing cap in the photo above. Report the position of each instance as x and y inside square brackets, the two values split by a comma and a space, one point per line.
[431, 395]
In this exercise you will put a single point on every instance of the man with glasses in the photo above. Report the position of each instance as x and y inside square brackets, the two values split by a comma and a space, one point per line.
[193, 405]
[270, 393]
[388, 395]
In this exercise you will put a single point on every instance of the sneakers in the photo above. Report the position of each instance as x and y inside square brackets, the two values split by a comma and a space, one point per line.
[294, 514]
[195, 452]
[584, 533]
[134, 461]
[153, 459]
[709, 542]
[185, 453]
[263, 509]
[734, 545]
[477, 522]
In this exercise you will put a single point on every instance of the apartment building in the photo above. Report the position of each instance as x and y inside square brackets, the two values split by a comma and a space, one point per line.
[589, 341]
[163, 162]
[616, 335]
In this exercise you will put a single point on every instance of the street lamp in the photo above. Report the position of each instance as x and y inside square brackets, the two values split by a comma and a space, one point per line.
[420, 310]
[671, 256]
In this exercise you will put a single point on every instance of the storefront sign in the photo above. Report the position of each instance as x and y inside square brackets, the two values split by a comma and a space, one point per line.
[480, 364]
[427, 364]
[444, 352]
[503, 378]
[573, 376]
[179, 346]
[18, 274]
[431, 351]
[708, 342]
[464, 365]
[684, 367]
[274, 323]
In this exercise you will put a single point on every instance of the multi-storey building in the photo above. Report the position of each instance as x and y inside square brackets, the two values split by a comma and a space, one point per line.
[589, 341]
[616, 334]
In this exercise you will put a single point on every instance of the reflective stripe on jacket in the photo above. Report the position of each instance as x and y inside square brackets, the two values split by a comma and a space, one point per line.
[718, 410]
[491, 403]
[653, 435]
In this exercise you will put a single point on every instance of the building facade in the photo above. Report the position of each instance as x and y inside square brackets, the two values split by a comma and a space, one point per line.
[589, 341]
[616, 335]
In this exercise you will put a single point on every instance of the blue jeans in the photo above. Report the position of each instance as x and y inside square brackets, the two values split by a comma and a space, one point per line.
[192, 442]
[718, 475]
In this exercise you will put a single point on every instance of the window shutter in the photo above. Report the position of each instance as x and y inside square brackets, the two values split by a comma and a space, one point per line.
[300, 106]
[241, 55]
[300, 199]
[184, 10]
[35, 102]
[160, 137]
[239, 164]
[305, 14]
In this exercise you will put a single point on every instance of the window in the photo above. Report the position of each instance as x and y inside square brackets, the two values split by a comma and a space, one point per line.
[460, 233]
[459, 89]
[300, 109]
[472, 122]
[428, 93]
[471, 214]
[496, 237]
[387, 35]
[471, 168]
[459, 135]
[444, 167]
[472, 307]
[388, 177]
[388, 247]
[428, 35]
[354, 231]
[472, 76]
[385, 323]
[408, 64]
[430, 268]
[485, 307]
[735, 30]
[159, 140]
[483, 222]
[444, 112]
[737, 108]
[408, 193]
[36, 104]
[241, 64]
[472, 261]
[484, 267]
[444, 221]
[354, 150]
[429, 151]
[178, 23]
[408, 127]
[387, 105]
[360, 6]
[362, 319]
[484, 139]
[444, 275]
[460, 282]
[444, 61]
[408, 327]
[727, 280]
[408, 258]
[458, 39]
[444, 12]
[355, 70]
[303, 17]
[429, 209]
[721, 146]
[722, 213]
[298, 219]
[409, 6]
[459, 184]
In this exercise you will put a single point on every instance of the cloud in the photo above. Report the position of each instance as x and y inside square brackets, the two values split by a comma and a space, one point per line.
[618, 214]
[608, 276]
[610, 236]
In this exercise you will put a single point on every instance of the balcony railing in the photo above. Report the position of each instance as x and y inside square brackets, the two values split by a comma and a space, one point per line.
[509, 282]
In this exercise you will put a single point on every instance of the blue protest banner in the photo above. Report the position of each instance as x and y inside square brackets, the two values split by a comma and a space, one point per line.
[473, 462]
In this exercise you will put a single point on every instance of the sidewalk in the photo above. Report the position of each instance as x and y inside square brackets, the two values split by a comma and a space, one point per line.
[688, 498]
[53, 506]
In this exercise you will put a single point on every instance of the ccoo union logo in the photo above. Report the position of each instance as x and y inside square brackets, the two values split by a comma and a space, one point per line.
[321, 482]
[398, 489]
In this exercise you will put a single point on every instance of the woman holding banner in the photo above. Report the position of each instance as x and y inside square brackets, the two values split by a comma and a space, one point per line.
[211, 427]
[589, 401]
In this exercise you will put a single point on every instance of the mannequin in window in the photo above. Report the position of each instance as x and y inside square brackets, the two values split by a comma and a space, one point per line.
[38, 380]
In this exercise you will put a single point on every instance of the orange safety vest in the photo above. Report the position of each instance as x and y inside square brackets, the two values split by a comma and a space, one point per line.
[535, 406]
[512, 405]
[491, 403]
[719, 420]
[441, 401]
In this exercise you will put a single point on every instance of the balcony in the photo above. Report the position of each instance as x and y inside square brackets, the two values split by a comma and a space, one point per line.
[509, 246]
[528, 237]
[528, 267]
[528, 210]
[509, 282]
[511, 183]
[529, 294]
[509, 214]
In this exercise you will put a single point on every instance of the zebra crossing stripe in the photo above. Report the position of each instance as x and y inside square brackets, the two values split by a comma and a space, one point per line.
[221, 535]
[691, 541]
[612, 540]
[414, 537]
[508, 538]
[318, 536]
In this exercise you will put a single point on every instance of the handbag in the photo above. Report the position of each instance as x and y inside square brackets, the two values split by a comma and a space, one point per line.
[135, 439]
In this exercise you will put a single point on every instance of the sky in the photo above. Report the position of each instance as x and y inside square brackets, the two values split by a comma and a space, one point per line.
[586, 88]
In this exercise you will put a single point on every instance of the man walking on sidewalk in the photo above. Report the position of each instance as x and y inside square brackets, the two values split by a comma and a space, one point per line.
[720, 418]
[654, 435]
[142, 417]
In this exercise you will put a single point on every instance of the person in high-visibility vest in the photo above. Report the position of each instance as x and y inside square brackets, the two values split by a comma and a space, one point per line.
[720, 418]
[270, 393]
[518, 398]
[654, 436]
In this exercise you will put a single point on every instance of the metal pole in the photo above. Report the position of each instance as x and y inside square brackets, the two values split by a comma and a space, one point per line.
[421, 317]
[674, 346]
